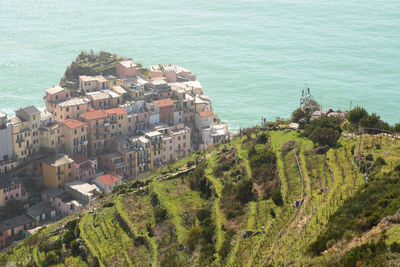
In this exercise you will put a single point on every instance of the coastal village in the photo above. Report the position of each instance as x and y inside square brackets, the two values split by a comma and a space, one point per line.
[110, 130]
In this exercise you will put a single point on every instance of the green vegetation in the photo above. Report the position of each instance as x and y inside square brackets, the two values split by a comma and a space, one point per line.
[236, 208]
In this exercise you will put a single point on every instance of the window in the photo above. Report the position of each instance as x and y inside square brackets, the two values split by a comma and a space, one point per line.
[69, 165]
[82, 129]
[67, 109]
[75, 131]
[77, 107]
[59, 177]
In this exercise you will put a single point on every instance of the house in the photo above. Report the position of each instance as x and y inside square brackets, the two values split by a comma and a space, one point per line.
[75, 136]
[166, 108]
[42, 211]
[13, 229]
[94, 83]
[7, 161]
[25, 132]
[55, 94]
[100, 99]
[11, 188]
[155, 138]
[113, 162]
[71, 108]
[83, 168]
[51, 137]
[57, 170]
[98, 130]
[126, 68]
[118, 121]
[107, 182]
[63, 202]
[81, 191]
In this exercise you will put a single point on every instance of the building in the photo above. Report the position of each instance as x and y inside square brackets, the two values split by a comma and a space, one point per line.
[118, 121]
[71, 108]
[13, 229]
[51, 137]
[156, 142]
[6, 140]
[126, 69]
[25, 131]
[42, 211]
[57, 170]
[54, 95]
[107, 182]
[11, 188]
[113, 163]
[62, 202]
[7, 161]
[128, 151]
[98, 130]
[75, 136]
[172, 73]
[81, 191]
[166, 108]
[89, 84]
[83, 168]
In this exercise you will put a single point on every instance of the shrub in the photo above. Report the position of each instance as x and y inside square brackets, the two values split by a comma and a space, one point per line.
[262, 138]
[160, 214]
[356, 114]
[154, 199]
[149, 229]
[277, 197]
[297, 115]
[203, 214]
[68, 237]
[379, 161]
[324, 131]
[395, 247]
[193, 237]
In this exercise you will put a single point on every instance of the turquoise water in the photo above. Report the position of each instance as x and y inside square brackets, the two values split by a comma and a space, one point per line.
[252, 57]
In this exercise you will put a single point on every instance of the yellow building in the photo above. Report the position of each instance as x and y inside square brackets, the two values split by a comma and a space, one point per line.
[75, 134]
[57, 170]
[25, 132]
[71, 108]
[51, 137]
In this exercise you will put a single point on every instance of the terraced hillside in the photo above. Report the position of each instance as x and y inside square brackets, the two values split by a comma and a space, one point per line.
[234, 206]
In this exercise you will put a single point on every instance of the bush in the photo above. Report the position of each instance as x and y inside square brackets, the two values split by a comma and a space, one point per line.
[379, 161]
[154, 199]
[324, 131]
[298, 115]
[395, 247]
[193, 237]
[149, 229]
[262, 138]
[203, 214]
[277, 197]
[160, 214]
[356, 115]
[68, 237]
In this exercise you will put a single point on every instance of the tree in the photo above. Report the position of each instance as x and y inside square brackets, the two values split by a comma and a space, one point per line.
[298, 114]
[324, 131]
[397, 127]
[356, 115]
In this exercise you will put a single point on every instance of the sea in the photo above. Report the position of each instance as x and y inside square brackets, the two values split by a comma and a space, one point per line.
[253, 57]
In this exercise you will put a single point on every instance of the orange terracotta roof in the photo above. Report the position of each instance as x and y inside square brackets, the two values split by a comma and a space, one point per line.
[164, 102]
[96, 114]
[109, 179]
[206, 113]
[119, 111]
[72, 124]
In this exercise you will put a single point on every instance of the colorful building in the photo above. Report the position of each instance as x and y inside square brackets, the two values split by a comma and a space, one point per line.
[75, 136]
[166, 107]
[107, 182]
[57, 170]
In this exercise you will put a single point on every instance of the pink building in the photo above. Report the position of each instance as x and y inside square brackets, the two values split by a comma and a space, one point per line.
[83, 168]
[100, 99]
[126, 69]
[63, 202]
[11, 188]
[55, 95]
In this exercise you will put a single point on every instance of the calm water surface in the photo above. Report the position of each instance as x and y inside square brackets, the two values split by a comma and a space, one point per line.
[252, 57]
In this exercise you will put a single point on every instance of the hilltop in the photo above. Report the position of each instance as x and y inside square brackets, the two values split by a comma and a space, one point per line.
[235, 205]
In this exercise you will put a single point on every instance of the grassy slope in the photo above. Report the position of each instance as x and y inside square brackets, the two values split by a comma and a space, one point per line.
[328, 181]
